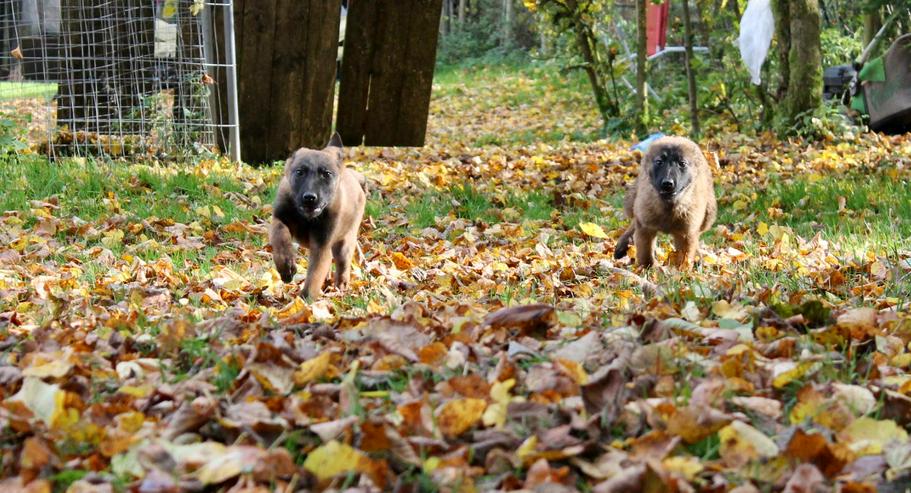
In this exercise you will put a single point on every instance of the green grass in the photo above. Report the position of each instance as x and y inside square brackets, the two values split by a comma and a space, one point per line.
[26, 90]
[874, 215]
[530, 93]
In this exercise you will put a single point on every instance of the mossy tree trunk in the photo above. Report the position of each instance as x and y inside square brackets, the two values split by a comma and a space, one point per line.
[798, 27]
[805, 59]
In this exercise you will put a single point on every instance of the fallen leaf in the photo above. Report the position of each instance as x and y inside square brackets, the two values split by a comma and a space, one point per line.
[593, 230]
[459, 415]
[334, 458]
[312, 369]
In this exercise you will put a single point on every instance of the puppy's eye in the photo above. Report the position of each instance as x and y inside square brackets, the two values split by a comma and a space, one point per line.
[659, 162]
[299, 172]
[683, 164]
[325, 173]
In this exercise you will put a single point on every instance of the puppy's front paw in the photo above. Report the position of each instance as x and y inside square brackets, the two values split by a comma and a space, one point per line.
[341, 285]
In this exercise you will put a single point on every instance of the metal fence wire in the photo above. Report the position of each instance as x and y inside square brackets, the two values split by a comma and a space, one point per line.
[116, 77]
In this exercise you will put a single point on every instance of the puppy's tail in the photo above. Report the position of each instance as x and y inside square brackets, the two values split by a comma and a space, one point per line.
[623, 243]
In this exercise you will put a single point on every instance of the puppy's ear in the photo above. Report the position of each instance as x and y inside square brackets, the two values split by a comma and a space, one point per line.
[335, 147]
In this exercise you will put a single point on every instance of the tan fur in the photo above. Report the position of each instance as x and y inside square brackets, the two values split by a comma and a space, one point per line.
[686, 217]
[331, 236]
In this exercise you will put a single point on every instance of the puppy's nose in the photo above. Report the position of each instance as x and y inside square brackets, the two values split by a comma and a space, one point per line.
[667, 186]
[309, 198]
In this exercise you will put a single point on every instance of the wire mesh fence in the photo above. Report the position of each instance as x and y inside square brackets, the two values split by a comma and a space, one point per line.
[114, 77]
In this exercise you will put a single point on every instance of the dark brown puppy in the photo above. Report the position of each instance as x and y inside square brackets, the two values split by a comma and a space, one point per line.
[319, 203]
[673, 194]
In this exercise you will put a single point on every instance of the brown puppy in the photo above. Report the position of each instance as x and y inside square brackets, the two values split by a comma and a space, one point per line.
[319, 203]
[673, 194]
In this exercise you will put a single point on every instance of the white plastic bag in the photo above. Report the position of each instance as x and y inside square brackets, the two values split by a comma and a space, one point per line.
[756, 30]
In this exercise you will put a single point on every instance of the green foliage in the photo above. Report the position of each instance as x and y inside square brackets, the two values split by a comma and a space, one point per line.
[828, 122]
[12, 133]
[481, 38]
[839, 48]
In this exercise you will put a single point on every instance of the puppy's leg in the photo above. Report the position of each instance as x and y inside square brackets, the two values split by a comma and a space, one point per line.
[282, 250]
[318, 269]
[645, 245]
[685, 247]
[343, 251]
[623, 242]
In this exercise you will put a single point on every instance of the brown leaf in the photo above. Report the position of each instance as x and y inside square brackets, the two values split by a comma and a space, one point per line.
[35, 454]
[459, 415]
[606, 391]
[527, 319]
[400, 338]
[470, 386]
[806, 479]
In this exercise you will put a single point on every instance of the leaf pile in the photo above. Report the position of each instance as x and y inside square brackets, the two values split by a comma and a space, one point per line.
[489, 340]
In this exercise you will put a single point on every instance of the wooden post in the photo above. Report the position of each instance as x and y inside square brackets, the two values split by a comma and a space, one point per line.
[286, 74]
[387, 71]
[231, 76]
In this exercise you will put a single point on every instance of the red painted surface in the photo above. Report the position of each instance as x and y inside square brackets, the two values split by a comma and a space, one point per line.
[657, 26]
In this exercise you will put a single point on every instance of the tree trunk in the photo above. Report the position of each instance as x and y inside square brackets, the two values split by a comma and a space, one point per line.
[690, 75]
[462, 4]
[641, 68]
[805, 58]
[444, 20]
[872, 23]
[734, 9]
[782, 11]
[507, 23]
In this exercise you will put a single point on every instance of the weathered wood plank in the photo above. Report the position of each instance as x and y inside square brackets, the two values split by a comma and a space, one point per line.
[389, 64]
[411, 122]
[356, 71]
[255, 73]
[318, 91]
[289, 66]
[387, 71]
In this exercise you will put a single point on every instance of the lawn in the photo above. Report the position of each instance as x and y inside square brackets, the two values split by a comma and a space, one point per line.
[487, 340]
[26, 90]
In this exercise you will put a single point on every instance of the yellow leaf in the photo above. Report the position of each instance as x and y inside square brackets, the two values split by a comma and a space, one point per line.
[312, 369]
[45, 401]
[459, 415]
[593, 230]
[58, 366]
[495, 414]
[527, 450]
[431, 464]
[334, 458]
[574, 370]
[112, 238]
[762, 229]
[222, 467]
[723, 309]
[297, 308]
[401, 261]
[688, 467]
[788, 371]
[741, 443]
[867, 436]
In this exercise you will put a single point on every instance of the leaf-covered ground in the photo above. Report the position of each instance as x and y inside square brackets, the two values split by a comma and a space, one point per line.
[489, 341]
